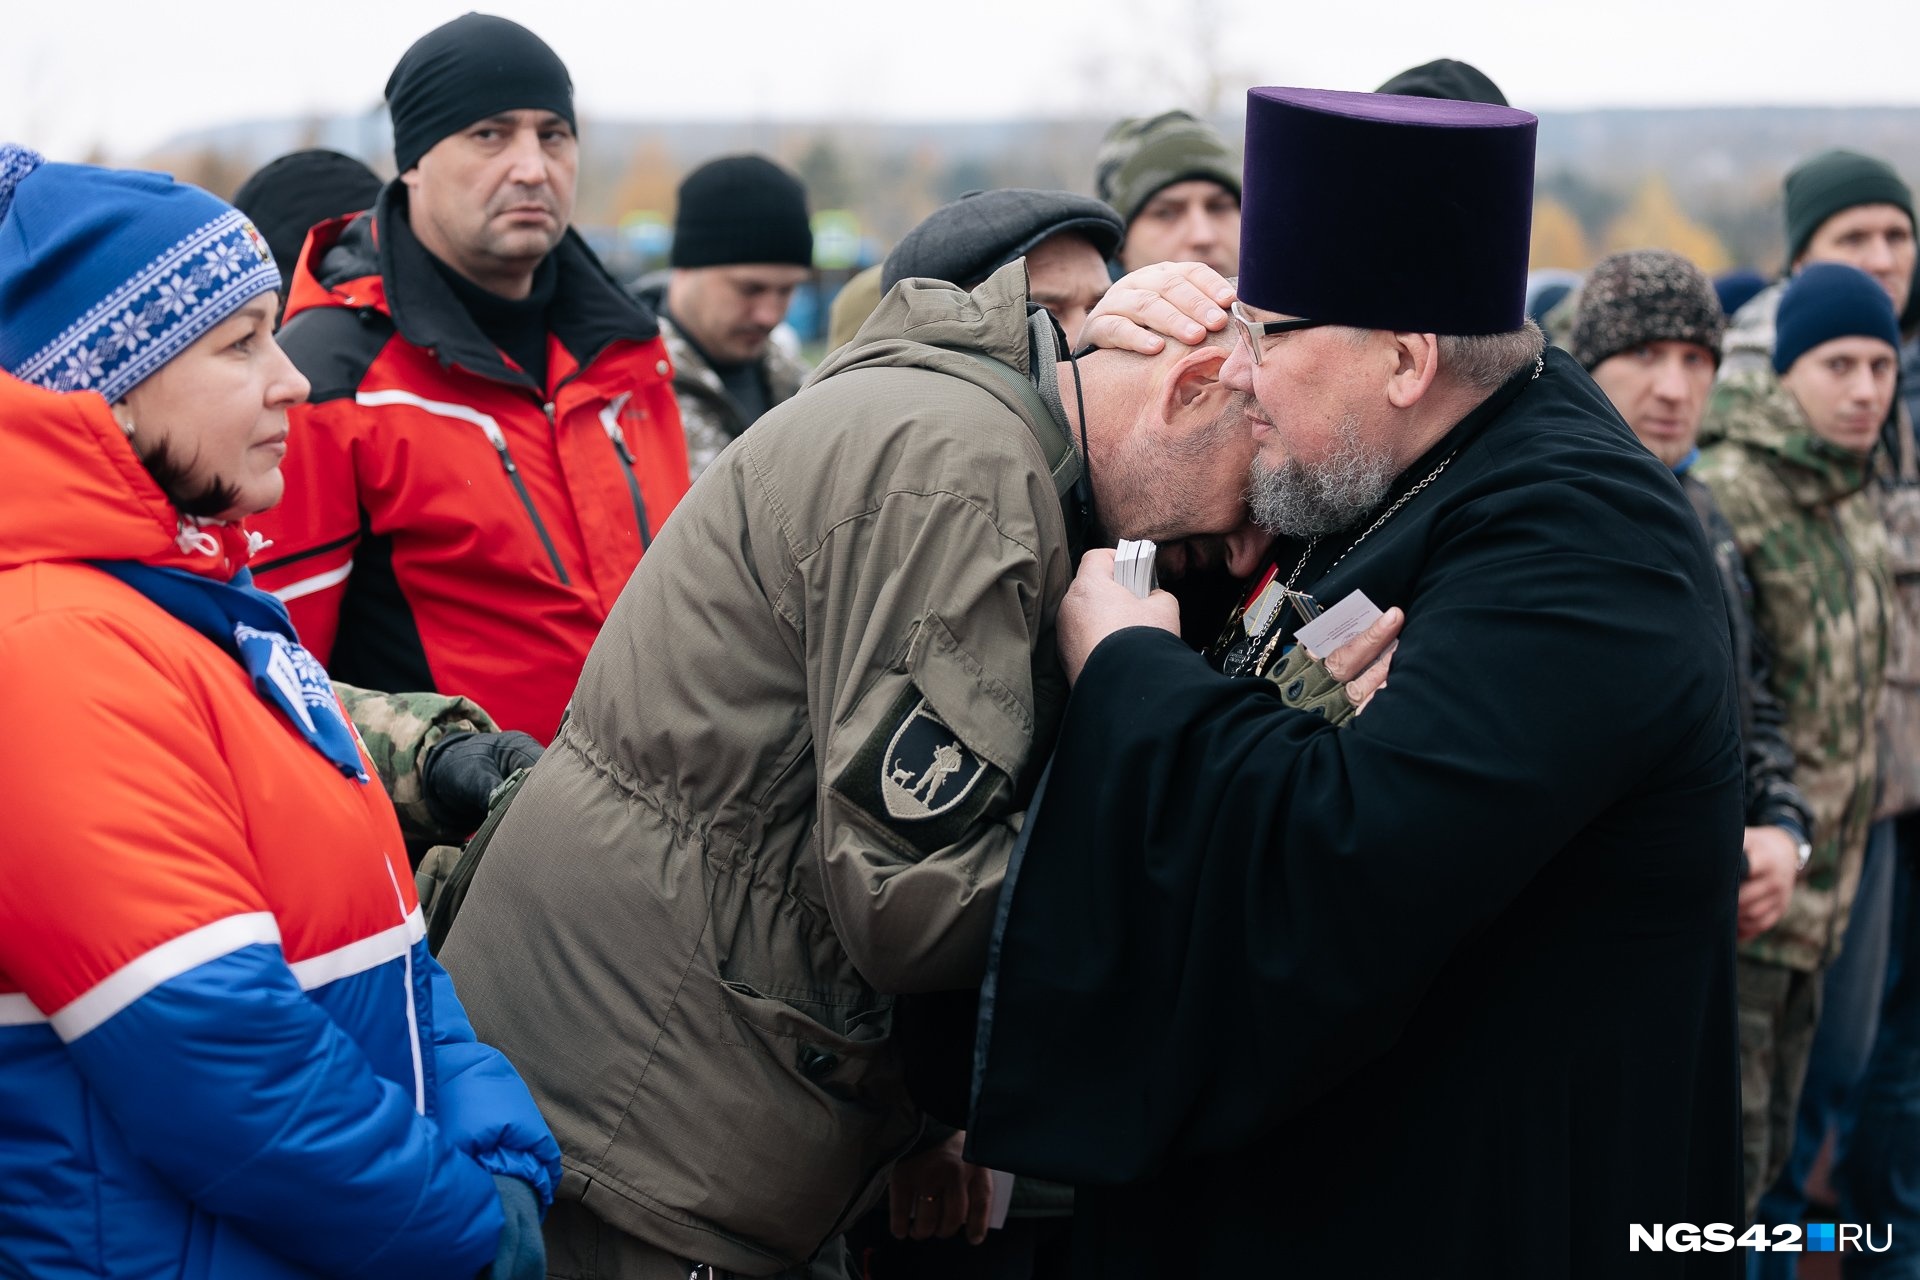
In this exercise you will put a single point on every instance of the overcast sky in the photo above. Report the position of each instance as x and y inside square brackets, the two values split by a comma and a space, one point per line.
[128, 74]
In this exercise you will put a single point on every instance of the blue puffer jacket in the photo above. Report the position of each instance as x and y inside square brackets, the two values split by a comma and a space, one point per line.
[225, 1053]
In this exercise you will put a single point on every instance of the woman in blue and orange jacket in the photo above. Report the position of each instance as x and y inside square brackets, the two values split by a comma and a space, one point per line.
[224, 1048]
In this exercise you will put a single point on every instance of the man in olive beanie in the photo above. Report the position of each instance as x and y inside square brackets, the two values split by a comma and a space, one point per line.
[1176, 183]
[742, 243]
[1843, 207]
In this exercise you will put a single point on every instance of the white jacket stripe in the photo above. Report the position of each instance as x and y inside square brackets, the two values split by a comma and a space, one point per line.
[358, 957]
[162, 964]
[16, 1010]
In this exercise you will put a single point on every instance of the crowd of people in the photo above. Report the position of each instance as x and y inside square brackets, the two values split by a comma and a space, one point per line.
[514, 774]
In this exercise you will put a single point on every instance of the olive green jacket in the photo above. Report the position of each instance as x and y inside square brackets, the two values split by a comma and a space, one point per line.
[786, 791]
[1817, 554]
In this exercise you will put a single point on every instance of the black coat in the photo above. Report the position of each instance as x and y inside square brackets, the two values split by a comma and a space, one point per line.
[1446, 992]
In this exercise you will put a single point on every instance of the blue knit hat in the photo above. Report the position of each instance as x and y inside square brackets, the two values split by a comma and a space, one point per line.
[107, 274]
[1828, 300]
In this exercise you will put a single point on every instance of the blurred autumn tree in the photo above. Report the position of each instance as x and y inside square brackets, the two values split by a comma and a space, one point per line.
[1653, 220]
[1558, 238]
[206, 167]
[647, 184]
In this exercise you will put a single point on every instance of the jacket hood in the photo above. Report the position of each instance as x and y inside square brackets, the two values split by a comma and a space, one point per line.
[924, 324]
[918, 317]
[71, 488]
[1753, 409]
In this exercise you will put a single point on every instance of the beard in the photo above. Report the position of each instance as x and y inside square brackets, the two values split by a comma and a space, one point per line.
[1305, 500]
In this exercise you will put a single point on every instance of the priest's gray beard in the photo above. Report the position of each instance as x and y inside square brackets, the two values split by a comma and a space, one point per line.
[1306, 500]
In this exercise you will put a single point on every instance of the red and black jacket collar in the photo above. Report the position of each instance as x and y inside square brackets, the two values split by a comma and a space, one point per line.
[373, 260]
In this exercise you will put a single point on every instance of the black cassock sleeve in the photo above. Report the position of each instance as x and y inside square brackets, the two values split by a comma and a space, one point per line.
[1224, 907]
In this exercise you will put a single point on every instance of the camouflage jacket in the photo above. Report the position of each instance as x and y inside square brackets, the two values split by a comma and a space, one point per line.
[1816, 552]
[1773, 799]
[398, 729]
[710, 416]
[1746, 350]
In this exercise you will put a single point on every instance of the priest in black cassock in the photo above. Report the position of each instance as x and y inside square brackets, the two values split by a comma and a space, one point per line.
[1445, 990]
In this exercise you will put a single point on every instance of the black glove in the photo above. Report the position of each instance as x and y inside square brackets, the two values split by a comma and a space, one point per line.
[522, 1254]
[462, 769]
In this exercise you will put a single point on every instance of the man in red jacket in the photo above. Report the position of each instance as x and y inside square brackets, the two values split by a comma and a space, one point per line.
[492, 438]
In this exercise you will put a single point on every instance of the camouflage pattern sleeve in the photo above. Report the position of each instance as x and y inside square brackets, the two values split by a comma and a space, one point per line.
[398, 729]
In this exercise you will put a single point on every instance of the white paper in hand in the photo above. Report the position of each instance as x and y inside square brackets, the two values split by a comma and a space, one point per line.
[1338, 625]
[1002, 1199]
[1133, 566]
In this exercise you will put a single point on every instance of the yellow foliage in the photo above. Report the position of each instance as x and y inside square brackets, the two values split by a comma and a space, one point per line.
[1654, 221]
[1558, 238]
[651, 182]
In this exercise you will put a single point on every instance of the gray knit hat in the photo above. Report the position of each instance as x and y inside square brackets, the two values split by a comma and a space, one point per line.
[968, 240]
[1139, 157]
[1642, 296]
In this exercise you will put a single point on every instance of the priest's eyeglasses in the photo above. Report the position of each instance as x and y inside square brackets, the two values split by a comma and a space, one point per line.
[1252, 331]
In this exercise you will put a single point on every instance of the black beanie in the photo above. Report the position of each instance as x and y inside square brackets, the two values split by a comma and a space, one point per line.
[741, 209]
[1830, 300]
[1835, 181]
[467, 70]
[1447, 78]
[288, 197]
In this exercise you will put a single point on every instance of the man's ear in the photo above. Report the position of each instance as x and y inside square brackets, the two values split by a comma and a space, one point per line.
[1193, 384]
[1416, 363]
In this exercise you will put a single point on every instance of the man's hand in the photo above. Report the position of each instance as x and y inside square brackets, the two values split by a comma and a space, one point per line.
[462, 769]
[1773, 864]
[1184, 300]
[1096, 606]
[932, 1192]
[1361, 663]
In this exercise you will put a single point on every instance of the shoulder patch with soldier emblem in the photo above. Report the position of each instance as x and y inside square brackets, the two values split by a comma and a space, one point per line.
[916, 776]
[926, 769]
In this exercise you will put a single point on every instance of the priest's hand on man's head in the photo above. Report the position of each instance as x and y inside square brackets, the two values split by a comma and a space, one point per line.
[1183, 300]
[1096, 606]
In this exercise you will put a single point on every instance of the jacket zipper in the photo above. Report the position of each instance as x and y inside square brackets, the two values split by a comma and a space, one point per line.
[498, 440]
[610, 423]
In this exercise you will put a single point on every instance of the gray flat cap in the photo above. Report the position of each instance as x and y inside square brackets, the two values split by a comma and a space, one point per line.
[965, 242]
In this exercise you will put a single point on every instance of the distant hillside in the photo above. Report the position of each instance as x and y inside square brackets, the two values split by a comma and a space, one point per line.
[1612, 171]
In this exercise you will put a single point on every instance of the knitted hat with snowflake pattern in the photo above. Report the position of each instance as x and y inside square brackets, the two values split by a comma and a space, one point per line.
[107, 274]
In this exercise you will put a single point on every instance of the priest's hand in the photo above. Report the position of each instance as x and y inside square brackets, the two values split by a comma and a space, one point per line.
[1773, 864]
[933, 1192]
[1096, 606]
[1362, 662]
[1183, 300]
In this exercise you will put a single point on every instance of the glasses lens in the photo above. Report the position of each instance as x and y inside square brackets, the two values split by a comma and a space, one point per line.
[1245, 330]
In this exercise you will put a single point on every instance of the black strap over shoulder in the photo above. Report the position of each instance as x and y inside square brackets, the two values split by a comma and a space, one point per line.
[447, 898]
